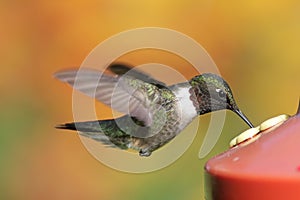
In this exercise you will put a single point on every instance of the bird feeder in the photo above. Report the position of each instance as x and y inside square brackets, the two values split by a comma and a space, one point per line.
[262, 163]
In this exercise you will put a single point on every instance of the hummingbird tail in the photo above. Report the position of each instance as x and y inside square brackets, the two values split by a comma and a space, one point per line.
[69, 126]
[91, 126]
[104, 131]
[89, 129]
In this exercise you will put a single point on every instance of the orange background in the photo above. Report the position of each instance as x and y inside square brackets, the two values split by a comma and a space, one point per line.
[255, 44]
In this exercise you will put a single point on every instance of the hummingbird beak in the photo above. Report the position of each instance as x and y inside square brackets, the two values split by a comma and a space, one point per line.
[239, 112]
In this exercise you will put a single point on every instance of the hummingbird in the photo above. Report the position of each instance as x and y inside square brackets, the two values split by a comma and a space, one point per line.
[154, 113]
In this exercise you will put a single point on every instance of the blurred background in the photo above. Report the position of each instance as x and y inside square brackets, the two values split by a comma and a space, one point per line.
[255, 44]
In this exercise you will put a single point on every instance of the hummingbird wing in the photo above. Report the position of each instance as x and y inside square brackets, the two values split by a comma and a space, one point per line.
[125, 69]
[125, 93]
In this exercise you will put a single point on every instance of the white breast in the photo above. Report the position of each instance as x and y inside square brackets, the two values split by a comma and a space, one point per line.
[186, 108]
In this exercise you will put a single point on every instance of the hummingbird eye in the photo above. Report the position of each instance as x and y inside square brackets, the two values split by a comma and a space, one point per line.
[220, 92]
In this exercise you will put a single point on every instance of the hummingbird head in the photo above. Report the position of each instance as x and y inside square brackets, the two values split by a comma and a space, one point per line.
[209, 92]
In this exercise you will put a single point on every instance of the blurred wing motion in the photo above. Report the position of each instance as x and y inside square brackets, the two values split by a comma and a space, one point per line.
[129, 92]
[122, 69]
